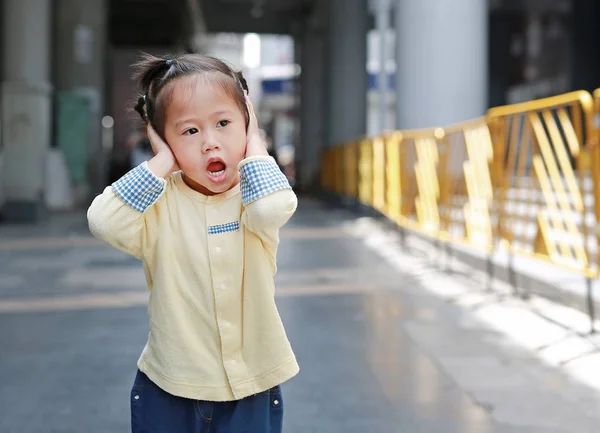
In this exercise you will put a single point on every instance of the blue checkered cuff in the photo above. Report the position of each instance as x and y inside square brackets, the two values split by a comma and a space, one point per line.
[224, 228]
[261, 177]
[139, 188]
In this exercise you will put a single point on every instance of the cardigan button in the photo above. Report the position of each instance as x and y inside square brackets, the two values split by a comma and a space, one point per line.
[218, 249]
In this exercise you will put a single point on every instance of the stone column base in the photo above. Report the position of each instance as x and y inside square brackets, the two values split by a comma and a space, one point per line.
[26, 131]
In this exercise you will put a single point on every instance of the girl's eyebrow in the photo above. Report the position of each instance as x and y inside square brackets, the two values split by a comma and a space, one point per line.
[221, 112]
[190, 119]
[186, 120]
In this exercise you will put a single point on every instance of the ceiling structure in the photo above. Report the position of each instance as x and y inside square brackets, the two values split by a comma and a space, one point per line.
[254, 16]
[146, 22]
[169, 22]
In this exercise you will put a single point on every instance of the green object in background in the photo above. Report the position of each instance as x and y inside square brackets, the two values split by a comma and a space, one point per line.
[73, 117]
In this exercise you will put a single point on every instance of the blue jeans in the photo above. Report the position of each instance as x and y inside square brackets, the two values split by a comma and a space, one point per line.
[156, 411]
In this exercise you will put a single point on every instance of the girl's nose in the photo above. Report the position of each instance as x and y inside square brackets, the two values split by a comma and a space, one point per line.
[209, 143]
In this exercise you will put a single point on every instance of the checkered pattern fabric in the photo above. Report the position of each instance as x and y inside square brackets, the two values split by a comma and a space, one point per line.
[259, 178]
[224, 228]
[139, 188]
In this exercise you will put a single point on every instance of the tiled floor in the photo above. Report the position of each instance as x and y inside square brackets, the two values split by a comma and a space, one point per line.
[377, 354]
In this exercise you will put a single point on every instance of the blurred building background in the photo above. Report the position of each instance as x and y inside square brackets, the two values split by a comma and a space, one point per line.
[321, 72]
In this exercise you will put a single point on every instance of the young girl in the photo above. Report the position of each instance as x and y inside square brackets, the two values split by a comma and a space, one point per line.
[203, 215]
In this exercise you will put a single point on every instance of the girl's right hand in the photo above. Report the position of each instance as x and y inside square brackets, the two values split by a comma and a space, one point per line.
[164, 162]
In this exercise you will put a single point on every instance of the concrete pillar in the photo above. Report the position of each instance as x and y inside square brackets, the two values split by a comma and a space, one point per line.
[441, 74]
[80, 67]
[312, 106]
[347, 70]
[26, 107]
[382, 21]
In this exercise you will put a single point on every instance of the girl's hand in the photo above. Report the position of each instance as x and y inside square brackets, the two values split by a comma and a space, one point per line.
[164, 162]
[254, 145]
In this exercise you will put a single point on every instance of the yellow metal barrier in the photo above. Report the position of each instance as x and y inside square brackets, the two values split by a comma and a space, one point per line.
[393, 184]
[522, 175]
[539, 178]
[351, 158]
[326, 172]
[526, 176]
[338, 169]
[365, 172]
[466, 193]
[595, 138]
[379, 177]
[594, 166]
[419, 184]
[332, 170]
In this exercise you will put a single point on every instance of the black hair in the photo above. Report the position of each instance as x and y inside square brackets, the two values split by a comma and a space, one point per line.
[153, 74]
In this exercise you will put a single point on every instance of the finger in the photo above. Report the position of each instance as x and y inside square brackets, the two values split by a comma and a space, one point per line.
[155, 138]
[151, 133]
[158, 144]
[250, 106]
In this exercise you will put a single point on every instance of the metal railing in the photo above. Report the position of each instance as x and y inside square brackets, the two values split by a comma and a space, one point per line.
[525, 177]
[542, 179]
[466, 195]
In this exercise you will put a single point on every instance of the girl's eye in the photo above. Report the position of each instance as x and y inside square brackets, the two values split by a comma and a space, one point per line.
[223, 123]
[191, 131]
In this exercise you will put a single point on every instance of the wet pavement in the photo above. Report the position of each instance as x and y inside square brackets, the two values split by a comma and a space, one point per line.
[377, 352]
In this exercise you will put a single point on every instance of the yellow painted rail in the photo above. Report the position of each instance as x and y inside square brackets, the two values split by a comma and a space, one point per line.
[467, 194]
[542, 177]
[525, 177]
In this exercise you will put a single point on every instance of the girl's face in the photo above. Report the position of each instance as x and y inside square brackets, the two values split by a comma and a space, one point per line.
[206, 132]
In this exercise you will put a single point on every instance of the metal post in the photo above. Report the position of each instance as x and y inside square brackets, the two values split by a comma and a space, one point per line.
[512, 278]
[591, 307]
[448, 268]
[490, 272]
[383, 23]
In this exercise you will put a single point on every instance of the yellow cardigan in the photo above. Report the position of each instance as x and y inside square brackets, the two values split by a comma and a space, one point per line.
[209, 261]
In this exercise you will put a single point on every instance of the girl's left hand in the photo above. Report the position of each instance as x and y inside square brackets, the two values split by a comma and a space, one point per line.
[254, 144]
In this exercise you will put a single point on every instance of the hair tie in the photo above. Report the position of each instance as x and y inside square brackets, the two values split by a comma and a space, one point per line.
[169, 63]
[144, 96]
[243, 83]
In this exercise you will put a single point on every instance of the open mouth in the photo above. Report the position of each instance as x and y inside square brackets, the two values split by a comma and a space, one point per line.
[216, 170]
